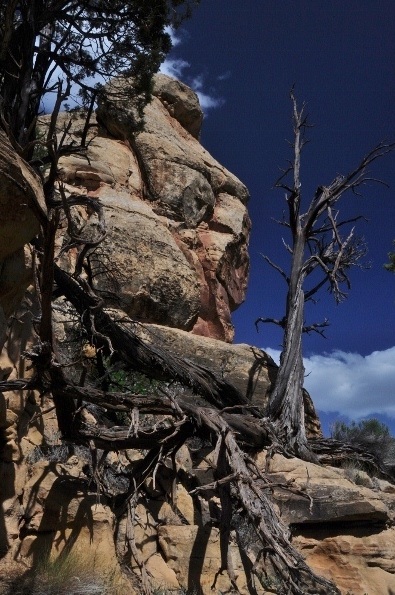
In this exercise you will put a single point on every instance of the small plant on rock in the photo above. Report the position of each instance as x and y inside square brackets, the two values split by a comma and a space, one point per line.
[71, 574]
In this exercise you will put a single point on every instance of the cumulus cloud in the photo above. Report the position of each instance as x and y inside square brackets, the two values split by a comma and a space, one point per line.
[175, 36]
[208, 101]
[354, 385]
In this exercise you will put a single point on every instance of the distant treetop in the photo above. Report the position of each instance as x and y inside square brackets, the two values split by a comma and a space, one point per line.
[390, 266]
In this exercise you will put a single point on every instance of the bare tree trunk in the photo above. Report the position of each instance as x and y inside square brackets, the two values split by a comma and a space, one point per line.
[316, 245]
[286, 403]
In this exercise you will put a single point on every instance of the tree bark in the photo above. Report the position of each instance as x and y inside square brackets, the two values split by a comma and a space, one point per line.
[286, 404]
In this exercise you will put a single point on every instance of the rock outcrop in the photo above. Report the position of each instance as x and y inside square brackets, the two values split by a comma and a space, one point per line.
[21, 199]
[177, 249]
[175, 259]
[346, 530]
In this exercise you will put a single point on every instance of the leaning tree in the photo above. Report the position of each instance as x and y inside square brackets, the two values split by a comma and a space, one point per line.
[320, 245]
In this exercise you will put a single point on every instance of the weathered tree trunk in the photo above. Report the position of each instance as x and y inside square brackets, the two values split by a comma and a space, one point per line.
[286, 403]
[316, 232]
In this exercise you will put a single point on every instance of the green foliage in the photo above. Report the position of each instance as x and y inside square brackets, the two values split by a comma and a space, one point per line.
[88, 42]
[369, 434]
[357, 431]
[134, 382]
[130, 381]
[391, 265]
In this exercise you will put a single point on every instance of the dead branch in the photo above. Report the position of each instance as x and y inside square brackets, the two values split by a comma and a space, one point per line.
[140, 355]
[270, 320]
[215, 484]
[130, 535]
[276, 267]
[165, 434]
[317, 328]
[274, 535]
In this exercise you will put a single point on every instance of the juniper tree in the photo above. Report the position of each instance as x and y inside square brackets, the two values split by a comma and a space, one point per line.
[48, 46]
[391, 265]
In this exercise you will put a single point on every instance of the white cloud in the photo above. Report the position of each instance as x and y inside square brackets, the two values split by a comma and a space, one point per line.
[349, 383]
[174, 36]
[177, 36]
[174, 67]
[206, 100]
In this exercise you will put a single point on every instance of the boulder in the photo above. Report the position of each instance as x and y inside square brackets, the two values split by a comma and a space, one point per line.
[21, 197]
[249, 369]
[193, 197]
[322, 494]
[141, 266]
[180, 101]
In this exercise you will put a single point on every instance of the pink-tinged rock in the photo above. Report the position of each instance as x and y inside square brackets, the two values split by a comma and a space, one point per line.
[194, 198]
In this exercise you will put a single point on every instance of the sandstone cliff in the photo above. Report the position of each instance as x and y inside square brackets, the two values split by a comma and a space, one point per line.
[175, 259]
[178, 227]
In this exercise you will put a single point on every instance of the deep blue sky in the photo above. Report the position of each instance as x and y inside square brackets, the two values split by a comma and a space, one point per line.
[341, 57]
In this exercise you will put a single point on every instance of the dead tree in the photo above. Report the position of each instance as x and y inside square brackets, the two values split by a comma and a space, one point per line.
[318, 245]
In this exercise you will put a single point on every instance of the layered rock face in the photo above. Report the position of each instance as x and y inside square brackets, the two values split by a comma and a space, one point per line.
[346, 530]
